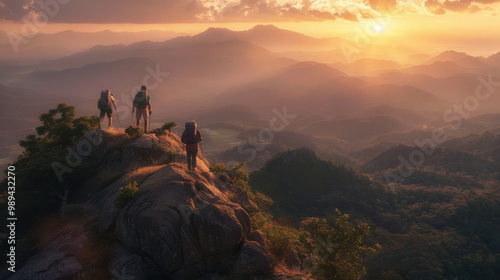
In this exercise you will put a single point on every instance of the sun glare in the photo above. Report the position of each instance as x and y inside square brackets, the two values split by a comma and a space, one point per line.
[379, 28]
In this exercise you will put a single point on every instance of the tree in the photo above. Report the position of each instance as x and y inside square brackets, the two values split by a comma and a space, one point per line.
[338, 251]
[37, 184]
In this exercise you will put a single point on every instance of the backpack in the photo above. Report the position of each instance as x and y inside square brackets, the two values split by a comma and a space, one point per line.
[105, 100]
[141, 99]
[189, 135]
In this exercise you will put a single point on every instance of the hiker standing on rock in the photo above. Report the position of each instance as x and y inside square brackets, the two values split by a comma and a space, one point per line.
[104, 105]
[191, 137]
[143, 104]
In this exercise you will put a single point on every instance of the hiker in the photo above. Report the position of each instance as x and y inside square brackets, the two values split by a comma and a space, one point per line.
[104, 105]
[143, 104]
[191, 137]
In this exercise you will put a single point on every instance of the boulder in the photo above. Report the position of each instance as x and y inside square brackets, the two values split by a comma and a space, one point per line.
[257, 236]
[58, 258]
[181, 219]
[126, 265]
[253, 260]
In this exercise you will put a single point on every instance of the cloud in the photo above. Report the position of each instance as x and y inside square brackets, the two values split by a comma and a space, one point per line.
[457, 6]
[15, 9]
[181, 11]
[383, 6]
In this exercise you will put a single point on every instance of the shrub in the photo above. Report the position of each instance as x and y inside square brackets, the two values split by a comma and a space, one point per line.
[171, 155]
[236, 173]
[260, 219]
[168, 126]
[134, 131]
[336, 251]
[263, 201]
[126, 195]
[280, 239]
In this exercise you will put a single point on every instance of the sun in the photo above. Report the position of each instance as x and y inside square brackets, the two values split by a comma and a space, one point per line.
[379, 28]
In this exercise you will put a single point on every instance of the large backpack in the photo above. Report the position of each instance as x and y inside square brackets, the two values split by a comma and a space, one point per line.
[190, 133]
[141, 99]
[105, 100]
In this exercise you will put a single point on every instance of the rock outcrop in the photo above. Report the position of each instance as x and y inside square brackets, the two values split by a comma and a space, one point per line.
[180, 225]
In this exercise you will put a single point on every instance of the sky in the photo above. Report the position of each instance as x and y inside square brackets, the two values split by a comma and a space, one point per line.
[469, 25]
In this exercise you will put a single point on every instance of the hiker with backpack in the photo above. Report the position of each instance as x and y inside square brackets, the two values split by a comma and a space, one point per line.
[104, 105]
[142, 103]
[191, 137]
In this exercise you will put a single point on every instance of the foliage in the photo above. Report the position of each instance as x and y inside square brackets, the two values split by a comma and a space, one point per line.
[260, 219]
[37, 184]
[168, 126]
[302, 185]
[338, 251]
[263, 201]
[280, 238]
[236, 172]
[126, 194]
[345, 263]
[171, 155]
[134, 131]
[240, 178]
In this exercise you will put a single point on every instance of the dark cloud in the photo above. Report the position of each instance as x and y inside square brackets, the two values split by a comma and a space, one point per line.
[143, 11]
[164, 11]
[100, 11]
[14, 9]
[179, 11]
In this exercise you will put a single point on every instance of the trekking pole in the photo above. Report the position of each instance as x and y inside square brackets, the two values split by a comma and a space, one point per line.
[118, 115]
[149, 121]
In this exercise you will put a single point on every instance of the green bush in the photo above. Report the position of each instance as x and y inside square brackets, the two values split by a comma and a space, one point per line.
[134, 131]
[337, 251]
[280, 239]
[263, 201]
[236, 173]
[126, 195]
[168, 126]
[260, 219]
[171, 155]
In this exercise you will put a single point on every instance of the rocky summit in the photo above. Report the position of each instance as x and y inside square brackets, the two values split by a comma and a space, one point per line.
[180, 225]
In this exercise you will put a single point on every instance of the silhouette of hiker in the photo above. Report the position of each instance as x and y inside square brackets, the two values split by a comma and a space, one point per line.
[104, 105]
[143, 104]
[191, 137]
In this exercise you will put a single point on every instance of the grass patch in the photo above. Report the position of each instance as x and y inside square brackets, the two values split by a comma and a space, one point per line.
[126, 194]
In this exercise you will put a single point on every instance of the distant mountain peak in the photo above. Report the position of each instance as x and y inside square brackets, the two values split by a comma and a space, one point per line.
[265, 27]
[449, 55]
[216, 30]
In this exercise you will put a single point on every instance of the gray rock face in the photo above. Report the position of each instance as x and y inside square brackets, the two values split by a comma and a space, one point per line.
[57, 259]
[253, 260]
[120, 152]
[128, 266]
[257, 236]
[179, 220]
